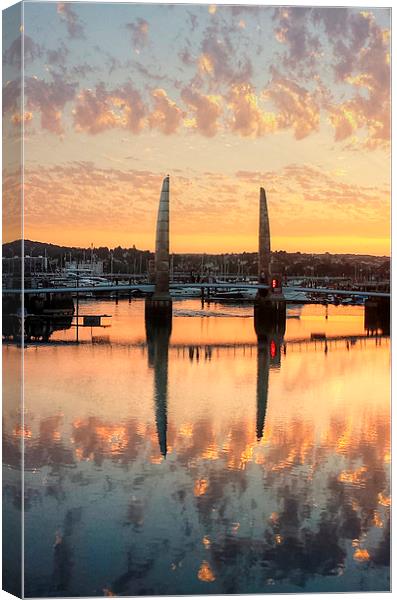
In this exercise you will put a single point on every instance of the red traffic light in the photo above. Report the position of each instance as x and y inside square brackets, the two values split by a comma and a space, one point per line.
[275, 284]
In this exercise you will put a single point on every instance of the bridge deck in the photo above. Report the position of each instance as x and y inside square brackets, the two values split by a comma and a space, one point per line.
[147, 288]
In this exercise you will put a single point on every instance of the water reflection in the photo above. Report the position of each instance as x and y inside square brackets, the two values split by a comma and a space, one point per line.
[270, 342]
[168, 467]
[63, 551]
[158, 336]
[12, 447]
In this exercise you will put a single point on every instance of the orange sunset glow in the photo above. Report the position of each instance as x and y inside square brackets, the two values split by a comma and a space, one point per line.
[224, 99]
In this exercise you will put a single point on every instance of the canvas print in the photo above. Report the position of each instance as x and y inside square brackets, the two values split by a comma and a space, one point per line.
[196, 299]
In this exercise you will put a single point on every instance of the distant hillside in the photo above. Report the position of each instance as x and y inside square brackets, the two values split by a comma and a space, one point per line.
[33, 248]
[132, 260]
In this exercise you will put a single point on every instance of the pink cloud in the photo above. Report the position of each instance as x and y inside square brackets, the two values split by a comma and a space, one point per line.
[361, 52]
[49, 98]
[69, 16]
[206, 110]
[98, 110]
[139, 30]
[11, 95]
[297, 109]
[166, 116]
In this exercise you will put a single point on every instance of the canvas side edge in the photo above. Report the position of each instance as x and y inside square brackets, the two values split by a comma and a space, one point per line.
[12, 230]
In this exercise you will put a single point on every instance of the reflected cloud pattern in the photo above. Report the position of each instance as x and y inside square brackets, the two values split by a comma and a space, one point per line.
[230, 469]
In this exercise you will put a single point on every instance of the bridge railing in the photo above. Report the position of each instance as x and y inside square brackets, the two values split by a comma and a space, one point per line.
[147, 288]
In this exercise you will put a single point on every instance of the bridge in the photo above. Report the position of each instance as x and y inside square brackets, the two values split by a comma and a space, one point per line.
[268, 284]
[269, 298]
[150, 288]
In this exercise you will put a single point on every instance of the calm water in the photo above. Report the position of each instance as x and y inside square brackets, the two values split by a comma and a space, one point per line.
[204, 463]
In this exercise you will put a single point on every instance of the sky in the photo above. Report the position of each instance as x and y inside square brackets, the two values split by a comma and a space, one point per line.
[224, 99]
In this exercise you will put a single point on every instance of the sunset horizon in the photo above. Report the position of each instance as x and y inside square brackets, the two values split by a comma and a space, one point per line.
[224, 250]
